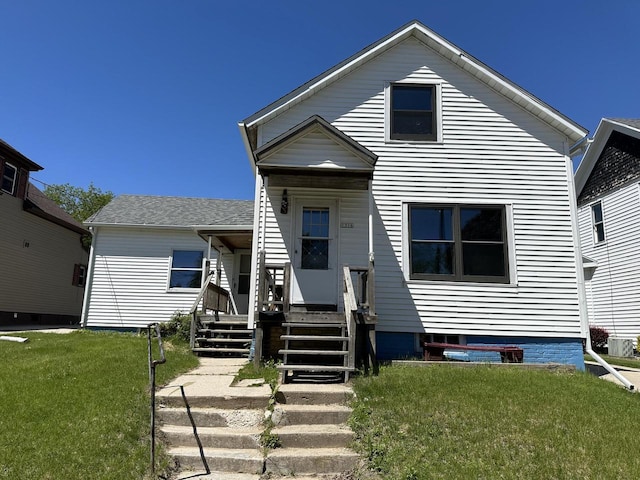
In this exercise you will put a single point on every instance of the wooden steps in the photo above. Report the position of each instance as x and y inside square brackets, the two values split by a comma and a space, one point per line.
[223, 335]
[314, 343]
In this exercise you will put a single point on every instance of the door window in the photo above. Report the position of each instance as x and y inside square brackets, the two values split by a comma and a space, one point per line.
[315, 239]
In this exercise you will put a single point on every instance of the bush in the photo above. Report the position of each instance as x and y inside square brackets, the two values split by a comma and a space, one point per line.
[179, 326]
[599, 338]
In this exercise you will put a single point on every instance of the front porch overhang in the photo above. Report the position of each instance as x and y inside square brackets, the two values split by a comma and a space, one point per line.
[316, 154]
[227, 239]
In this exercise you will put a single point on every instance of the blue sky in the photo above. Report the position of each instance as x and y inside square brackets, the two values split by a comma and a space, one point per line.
[144, 96]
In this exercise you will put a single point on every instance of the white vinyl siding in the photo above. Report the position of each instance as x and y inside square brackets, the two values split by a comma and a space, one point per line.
[492, 152]
[37, 259]
[130, 276]
[615, 286]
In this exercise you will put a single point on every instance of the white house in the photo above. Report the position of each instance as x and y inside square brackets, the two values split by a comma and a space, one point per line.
[414, 160]
[41, 255]
[151, 254]
[608, 190]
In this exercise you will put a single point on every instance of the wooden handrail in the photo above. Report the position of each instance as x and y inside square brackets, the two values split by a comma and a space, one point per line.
[213, 297]
[273, 285]
[350, 311]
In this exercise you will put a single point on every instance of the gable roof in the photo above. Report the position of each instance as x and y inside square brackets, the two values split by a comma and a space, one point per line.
[629, 127]
[316, 123]
[39, 204]
[11, 154]
[442, 46]
[173, 212]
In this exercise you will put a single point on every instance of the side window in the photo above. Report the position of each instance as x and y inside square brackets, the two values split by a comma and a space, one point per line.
[9, 177]
[413, 112]
[598, 222]
[186, 269]
[79, 275]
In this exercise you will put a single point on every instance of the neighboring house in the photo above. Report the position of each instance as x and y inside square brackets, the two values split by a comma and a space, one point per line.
[43, 262]
[150, 256]
[414, 160]
[608, 190]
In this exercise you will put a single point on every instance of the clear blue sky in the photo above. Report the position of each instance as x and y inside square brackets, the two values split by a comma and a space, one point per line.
[144, 96]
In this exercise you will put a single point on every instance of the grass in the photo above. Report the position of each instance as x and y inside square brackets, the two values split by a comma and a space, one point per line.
[267, 371]
[76, 406]
[619, 361]
[443, 422]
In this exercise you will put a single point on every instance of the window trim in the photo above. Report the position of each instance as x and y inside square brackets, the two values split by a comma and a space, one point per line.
[437, 114]
[458, 277]
[79, 275]
[14, 182]
[172, 269]
[594, 224]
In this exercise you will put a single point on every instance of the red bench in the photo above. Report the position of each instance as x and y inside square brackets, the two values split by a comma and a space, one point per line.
[435, 351]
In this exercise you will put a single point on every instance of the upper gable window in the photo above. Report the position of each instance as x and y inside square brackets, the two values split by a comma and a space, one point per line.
[9, 177]
[413, 112]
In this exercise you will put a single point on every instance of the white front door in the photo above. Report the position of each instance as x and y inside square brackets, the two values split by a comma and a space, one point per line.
[241, 276]
[315, 259]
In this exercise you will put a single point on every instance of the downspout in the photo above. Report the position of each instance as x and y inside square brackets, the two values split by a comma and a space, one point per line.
[582, 298]
[255, 248]
[89, 284]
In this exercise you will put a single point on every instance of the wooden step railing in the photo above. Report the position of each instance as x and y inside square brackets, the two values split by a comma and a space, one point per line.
[211, 297]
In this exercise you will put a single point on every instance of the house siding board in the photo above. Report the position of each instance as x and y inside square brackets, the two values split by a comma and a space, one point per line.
[492, 152]
[614, 287]
[37, 279]
[130, 278]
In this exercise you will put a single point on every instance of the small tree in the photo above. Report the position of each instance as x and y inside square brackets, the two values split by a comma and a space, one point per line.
[78, 202]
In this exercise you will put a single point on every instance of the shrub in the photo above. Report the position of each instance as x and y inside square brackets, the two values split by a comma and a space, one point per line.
[179, 326]
[599, 338]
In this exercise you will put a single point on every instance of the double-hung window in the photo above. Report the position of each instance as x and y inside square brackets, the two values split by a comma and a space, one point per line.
[598, 222]
[9, 177]
[186, 269]
[413, 112]
[458, 243]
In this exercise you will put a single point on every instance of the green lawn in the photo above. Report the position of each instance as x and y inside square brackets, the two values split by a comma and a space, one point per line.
[443, 422]
[77, 406]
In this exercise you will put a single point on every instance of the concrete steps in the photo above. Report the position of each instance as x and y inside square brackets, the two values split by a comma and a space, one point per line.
[309, 421]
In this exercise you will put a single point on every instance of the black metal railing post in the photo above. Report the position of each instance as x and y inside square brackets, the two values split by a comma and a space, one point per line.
[152, 381]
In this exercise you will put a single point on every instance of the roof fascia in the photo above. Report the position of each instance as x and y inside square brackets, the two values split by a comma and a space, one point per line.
[605, 128]
[448, 50]
[316, 123]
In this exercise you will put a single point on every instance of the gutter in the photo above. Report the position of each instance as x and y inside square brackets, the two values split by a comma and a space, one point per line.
[88, 286]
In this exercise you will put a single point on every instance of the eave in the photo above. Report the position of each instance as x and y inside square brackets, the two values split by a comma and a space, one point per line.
[463, 60]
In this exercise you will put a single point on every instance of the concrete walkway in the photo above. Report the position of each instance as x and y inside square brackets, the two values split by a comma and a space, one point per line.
[631, 374]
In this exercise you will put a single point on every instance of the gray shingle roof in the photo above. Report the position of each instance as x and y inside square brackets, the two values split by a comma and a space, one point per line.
[630, 122]
[173, 212]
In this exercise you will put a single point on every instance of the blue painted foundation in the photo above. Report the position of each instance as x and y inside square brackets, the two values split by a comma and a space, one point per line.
[394, 346]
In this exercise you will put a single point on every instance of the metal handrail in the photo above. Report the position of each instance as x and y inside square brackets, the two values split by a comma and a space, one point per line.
[152, 381]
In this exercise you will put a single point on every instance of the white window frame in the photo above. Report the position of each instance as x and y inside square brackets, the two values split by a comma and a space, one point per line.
[172, 269]
[13, 182]
[437, 105]
[594, 224]
[510, 241]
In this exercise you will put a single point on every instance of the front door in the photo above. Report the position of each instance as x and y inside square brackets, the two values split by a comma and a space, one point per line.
[242, 274]
[315, 272]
